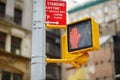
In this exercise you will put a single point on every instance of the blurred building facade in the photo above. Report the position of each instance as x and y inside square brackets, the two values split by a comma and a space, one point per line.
[102, 64]
[15, 42]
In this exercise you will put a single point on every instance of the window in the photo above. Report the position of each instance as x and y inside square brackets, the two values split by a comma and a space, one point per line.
[2, 8]
[17, 76]
[96, 63]
[53, 71]
[97, 78]
[106, 19]
[52, 48]
[100, 21]
[110, 60]
[119, 4]
[55, 31]
[105, 77]
[15, 45]
[98, 11]
[18, 16]
[113, 16]
[102, 62]
[6, 75]
[11, 76]
[106, 9]
[112, 7]
[47, 47]
[2, 40]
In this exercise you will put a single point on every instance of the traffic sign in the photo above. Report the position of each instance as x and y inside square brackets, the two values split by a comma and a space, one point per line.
[56, 13]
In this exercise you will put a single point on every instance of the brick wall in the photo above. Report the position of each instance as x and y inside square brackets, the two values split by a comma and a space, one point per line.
[103, 63]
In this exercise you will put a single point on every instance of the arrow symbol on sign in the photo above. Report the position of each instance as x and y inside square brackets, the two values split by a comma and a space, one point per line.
[52, 22]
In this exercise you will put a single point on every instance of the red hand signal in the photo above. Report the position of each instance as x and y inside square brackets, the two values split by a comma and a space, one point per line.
[74, 38]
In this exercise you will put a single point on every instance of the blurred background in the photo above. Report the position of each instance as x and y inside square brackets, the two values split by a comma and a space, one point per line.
[16, 35]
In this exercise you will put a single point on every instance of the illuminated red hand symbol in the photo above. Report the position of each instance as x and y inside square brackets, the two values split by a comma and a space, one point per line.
[74, 38]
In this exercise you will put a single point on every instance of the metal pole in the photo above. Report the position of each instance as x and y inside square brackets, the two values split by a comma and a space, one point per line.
[38, 63]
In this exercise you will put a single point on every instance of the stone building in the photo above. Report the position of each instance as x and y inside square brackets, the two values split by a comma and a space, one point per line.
[15, 42]
[102, 64]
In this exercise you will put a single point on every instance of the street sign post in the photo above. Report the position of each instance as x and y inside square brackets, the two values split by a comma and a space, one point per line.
[38, 63]
[55, 14]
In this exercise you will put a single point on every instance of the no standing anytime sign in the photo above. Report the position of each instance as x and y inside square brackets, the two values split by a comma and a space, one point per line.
[56, 13]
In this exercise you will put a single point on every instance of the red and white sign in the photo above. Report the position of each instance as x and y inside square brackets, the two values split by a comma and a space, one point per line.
[56, 12]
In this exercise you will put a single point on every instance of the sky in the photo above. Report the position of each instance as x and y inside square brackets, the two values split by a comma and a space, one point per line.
[72, 3]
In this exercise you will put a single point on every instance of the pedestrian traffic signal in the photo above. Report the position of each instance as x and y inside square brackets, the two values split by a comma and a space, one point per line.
[82, 36]
[75, 59]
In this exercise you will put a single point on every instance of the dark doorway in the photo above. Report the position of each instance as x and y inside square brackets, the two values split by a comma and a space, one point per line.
[117, 55]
